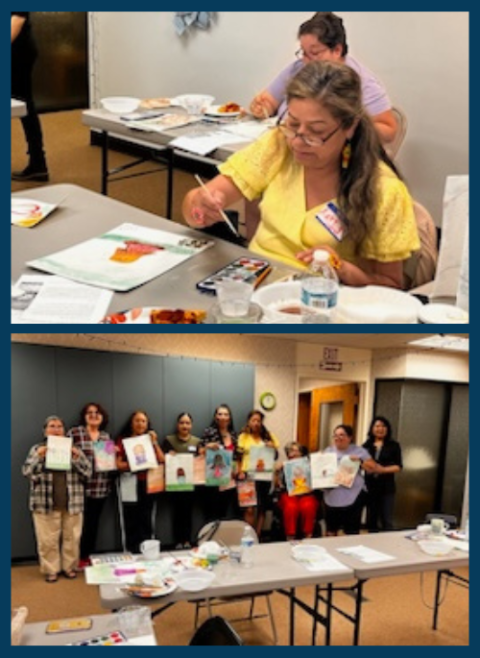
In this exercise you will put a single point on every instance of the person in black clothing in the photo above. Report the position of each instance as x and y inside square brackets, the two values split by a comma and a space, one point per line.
[381, 484]
[24, 55]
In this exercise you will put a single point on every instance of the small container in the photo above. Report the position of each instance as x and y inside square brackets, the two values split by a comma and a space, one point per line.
[135, 621]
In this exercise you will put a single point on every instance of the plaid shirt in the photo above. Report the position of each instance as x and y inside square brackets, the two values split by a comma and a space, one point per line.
[41, 482]
[99, 484]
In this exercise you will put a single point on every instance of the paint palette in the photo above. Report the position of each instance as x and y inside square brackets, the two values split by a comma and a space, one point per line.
[113, 639]
[250, 270]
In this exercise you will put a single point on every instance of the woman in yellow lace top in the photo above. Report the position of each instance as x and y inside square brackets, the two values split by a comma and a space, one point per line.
[325, 182]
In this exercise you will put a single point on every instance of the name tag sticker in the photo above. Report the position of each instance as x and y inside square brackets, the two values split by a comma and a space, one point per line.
[331, 219]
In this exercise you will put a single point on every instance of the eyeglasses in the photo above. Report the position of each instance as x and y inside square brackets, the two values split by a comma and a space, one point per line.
[309, 140]
[300, 54]
[93, 413]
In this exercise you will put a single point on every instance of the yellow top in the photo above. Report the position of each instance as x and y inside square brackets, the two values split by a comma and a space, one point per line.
[246, 442]
[268, 168]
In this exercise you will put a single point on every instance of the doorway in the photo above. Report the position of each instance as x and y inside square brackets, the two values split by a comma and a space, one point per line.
[322, 409]
[60, 77]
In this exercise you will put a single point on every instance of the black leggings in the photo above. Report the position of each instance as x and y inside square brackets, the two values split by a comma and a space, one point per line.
[91, 521]
[348, 519]
[22, 89]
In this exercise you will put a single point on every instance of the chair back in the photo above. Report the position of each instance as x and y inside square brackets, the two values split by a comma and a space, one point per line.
[421, 267]
[225, 532]
[393, 148]
[451, 519]
[216, 631]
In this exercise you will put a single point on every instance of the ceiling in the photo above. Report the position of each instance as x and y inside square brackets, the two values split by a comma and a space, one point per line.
[365, 341]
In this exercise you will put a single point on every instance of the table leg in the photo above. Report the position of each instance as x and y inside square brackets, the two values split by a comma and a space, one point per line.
[315, 611]
[104, 163]
[437, 599]
[292, 617]
[328, 622]
[358, 613]
[170, 170]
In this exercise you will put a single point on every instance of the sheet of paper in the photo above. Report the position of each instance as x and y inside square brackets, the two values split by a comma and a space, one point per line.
[43, 299]
[365, 554]
[59, 453]
[27, 213]
[250, 129]
[122, 259]
[327, 564]
[206, 143]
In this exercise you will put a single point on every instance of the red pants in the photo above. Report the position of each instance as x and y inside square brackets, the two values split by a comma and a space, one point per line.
[293, 507]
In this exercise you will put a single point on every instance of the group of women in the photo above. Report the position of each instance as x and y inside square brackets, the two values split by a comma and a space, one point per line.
[67, 505]
[323, 176]
[373, 487]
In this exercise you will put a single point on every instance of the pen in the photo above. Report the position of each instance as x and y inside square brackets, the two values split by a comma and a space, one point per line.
[223, 214]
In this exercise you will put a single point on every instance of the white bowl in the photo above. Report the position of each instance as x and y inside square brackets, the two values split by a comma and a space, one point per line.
[120, 104]
[195, 103]
[194, 580]
[276, 297]
[376, 305]
[435, 547]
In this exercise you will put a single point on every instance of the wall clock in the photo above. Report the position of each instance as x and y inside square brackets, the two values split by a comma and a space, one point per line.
[268, 401]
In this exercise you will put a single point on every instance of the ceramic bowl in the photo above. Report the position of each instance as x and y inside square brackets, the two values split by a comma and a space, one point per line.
[120, 104]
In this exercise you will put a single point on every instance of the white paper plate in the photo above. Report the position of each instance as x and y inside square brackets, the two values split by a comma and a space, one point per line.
[213, 111]
[442, 314]
[151, 592]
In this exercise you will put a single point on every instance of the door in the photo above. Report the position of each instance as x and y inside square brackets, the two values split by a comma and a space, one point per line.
[321, 410]
[60, 77]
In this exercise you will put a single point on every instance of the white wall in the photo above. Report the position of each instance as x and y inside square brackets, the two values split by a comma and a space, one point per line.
[422, 57]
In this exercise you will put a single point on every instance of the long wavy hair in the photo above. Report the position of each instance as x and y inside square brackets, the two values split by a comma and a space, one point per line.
[338, 89]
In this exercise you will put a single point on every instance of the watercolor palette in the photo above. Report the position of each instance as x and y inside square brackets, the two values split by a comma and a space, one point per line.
[250, 270]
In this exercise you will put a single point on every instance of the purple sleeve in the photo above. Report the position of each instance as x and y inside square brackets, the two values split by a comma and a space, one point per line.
[375, 97]
[278, 87]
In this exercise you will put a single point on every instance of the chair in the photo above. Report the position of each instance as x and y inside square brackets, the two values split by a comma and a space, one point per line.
[229, 533]
[216, 631]
[393, 148]
[420, 268]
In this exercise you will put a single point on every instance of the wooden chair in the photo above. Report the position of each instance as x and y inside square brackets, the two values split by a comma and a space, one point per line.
[393, 148]
[421, 267]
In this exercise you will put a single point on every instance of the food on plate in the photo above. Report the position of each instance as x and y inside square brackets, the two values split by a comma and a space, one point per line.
[228, 108]
[179, 316]
[155, 103]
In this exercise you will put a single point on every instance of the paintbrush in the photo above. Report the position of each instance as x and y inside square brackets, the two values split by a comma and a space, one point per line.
[222, 213]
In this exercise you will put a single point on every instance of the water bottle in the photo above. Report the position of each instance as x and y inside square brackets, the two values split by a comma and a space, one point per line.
[247, 541]
[319, 290]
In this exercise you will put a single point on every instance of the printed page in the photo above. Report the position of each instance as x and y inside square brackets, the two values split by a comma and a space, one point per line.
[39, 299]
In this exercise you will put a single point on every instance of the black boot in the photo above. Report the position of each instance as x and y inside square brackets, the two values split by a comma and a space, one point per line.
[38, 173]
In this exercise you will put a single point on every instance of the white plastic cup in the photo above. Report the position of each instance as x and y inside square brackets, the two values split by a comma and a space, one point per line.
[150, 549]
[438, 527]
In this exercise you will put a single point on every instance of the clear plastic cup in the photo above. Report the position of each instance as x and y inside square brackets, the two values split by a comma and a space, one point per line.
[135, 621]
